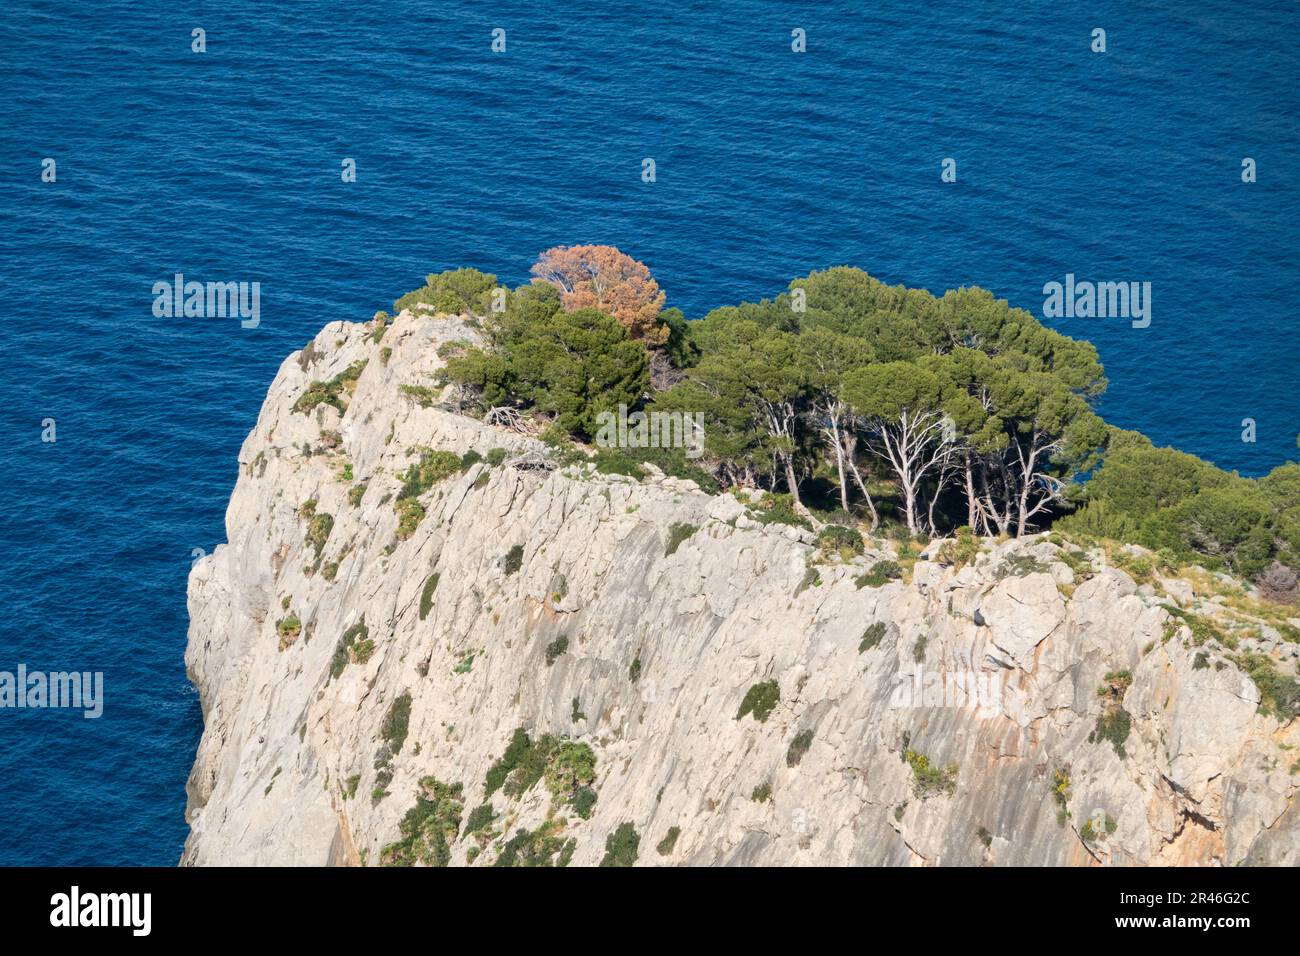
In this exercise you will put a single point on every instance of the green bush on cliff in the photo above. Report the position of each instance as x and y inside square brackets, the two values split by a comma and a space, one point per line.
[426, 595]
[332, 392]
[453, 292]
[555, 649]
[397, 722]
[1279, 695]
[879, 574]
[1165, 499]
[835, 539]
[429, 828]
[677, 533]
[669, 842]
[481, 817]
[433, 467]
[621, 846]
[929, 779]
[570, 766]
[354, 645]
[522, 764]
[871, 637]
[801, 744]
[760, 700]
[288, 628]
[537, 847]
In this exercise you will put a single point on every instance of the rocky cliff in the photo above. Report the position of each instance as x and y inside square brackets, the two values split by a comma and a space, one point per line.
[363, 681]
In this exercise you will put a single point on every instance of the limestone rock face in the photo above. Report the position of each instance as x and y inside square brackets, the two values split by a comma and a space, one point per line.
[951, 718]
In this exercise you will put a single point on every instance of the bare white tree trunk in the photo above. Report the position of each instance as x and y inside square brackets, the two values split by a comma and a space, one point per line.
[851, 446]
[913, 444]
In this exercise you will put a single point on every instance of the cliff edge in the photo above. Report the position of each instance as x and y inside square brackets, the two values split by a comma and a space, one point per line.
[539, 663]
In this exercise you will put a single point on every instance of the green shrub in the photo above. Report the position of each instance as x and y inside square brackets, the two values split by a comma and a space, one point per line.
[496, 456]
[535, 848]
[634, 671]
[288, 628]
[555, 649]
[331, 392]
[397, 722]
[429, 828]
[835, 539]
[571, 765]
[872, 636]
[480, 818]
[918, 649]
[583, 800]
[1279, 695]
[879, 574]
[521, 766]
[762, 793]
[798, 747]
[433, 467]
[928, 780]
[616, 461]
[1061, 793]
[566, 853]
[1203, 629]
[514, 559]
[811, 579]
[779, 509]
[409, 515]
[674, 463]
[1077, 561]
[1019, 565]
[422, 395]
[621, 846]
[964, 548]
[426, 595]
[678, 533]
[453, 292]
[669, 841]
[356, 493]
[760, 700]
[1140, 567]
[354, 645]
[1113, 725]
[318, 532]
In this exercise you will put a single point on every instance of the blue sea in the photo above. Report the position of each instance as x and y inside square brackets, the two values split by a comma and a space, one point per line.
[225, 165]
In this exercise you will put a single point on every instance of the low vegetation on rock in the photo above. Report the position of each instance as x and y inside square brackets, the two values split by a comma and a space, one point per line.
[429, 828]
[760, 700]
[621, 846]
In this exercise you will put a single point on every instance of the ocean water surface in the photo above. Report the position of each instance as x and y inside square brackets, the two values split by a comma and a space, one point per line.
[225, 165]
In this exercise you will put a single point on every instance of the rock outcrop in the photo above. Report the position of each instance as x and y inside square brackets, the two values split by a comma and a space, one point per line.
[1033, 706]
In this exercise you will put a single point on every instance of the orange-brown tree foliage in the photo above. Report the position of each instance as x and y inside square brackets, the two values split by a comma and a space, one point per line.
[604, 278]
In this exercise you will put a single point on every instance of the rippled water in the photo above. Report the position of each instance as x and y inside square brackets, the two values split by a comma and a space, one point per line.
[225, 166]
